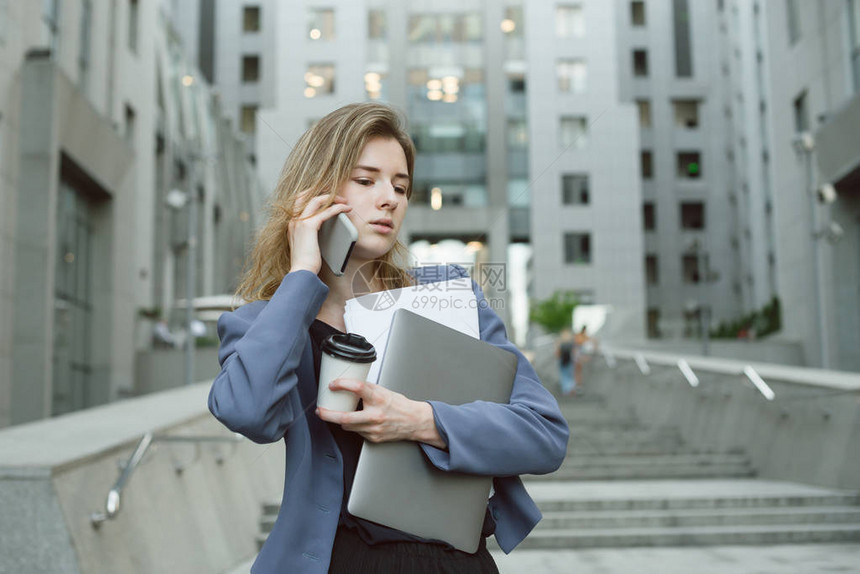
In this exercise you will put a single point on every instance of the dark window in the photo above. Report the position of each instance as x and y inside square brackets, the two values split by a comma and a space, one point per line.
[652, 272]
[654, 323]
[792, 12]
[689, 165]
[683, 53]
[575, 189]
[132, 25]
[647, 164]
[640, 63]
[251, 19]
[577, 248]
[692, 215]
[637, 13]
[686, 113]
[644, 107]
[249, 119]
[801, 113]
[690, 264]
[649, 216]
[250, 69]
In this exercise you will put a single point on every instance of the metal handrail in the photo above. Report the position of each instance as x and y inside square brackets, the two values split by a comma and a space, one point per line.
[112, 504]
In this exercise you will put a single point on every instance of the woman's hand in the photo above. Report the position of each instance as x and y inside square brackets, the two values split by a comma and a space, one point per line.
[387, 416]
[304, 231]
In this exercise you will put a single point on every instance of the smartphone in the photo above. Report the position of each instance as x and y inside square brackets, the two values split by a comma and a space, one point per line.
[337, 239]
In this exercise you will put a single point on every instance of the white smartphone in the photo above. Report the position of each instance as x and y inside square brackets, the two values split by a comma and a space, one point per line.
[337, 239]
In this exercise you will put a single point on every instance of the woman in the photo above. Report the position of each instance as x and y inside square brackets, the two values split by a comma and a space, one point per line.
[359, 160]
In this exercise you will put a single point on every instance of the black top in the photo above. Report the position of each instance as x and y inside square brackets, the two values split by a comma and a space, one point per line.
[349, 444]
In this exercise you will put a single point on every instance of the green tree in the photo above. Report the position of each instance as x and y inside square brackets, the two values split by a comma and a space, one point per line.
[554, 313]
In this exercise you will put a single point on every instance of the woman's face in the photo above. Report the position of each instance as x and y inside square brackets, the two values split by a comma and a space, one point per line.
[376, 190]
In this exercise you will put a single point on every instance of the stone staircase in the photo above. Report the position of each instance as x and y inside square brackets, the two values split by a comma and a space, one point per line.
[626, 485]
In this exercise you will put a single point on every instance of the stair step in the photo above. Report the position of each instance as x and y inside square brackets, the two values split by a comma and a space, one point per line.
[636, 460]
[681, 503]
[698, 517]
[647, 472]
[700, 536]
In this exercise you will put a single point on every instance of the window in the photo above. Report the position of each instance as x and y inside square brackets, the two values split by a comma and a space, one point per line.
[518, 134]
[683, 53]
[374, 85]
[652, 273]
[84, 44]
[376, 25]
[249, 118]
[637, 13]
[51, 21]
[575, 189]
[854, 40]
[571, 76]
[4, 17]
[801, 113]
[321, 24]
[792, 8]
[686, 113]
[574, 132]
[640, 63]
[132, 25]
[512, 25]
[689, 165]
[251, 19]
[649, 216]
[445, 28]
[577, 248]
[130, 119]
[646, 164]
[654, 323]
[569, 22]
[692, 215]
[516, 82]
[644, 107]
[75, 297]
[319, 80]
[250, 69]
[690, 266]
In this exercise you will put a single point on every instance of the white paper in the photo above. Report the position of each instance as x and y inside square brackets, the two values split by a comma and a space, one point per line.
[451, 303]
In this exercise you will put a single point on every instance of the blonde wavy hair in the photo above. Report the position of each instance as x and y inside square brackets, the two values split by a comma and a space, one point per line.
[321, 162]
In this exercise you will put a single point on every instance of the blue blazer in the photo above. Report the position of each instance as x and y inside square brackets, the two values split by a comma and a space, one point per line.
[267, 391]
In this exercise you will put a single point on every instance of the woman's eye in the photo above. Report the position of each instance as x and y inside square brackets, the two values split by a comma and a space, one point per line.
[364, 182]
[400, 189]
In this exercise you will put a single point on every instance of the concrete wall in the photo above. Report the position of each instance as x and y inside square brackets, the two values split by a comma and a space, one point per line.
[162, 369]
[55, 473]
[809, 434]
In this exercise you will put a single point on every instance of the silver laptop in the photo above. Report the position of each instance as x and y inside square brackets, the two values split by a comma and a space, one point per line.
[395, 485]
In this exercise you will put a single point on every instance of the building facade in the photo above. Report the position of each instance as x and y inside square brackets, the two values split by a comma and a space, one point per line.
[814, 82]
[511, 150]
[96, 129]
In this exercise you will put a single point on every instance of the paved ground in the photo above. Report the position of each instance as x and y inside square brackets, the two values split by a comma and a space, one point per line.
[698, 488]
[808, 559]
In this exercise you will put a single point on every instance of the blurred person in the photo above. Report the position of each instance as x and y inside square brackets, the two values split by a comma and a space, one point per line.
[359, 160]
[583, 346]
[564, 350]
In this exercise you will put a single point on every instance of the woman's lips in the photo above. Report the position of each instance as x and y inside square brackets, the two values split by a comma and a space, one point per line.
[380, 228]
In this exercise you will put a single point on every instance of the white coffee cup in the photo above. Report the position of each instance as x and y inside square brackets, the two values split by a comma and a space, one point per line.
[344, 356]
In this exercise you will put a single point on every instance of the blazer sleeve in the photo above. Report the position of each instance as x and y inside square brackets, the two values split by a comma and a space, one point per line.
[261, 347]
[526, 436]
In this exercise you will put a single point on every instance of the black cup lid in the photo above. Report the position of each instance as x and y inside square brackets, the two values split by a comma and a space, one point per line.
[349, 347]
